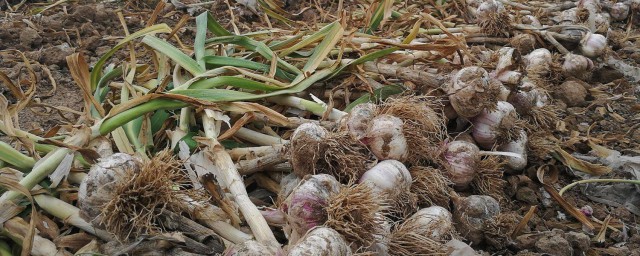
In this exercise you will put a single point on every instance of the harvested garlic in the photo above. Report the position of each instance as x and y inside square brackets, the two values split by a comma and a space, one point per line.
[492, 127]
[619, 11]
[306, 142]
[576, 65]
[385, 138]
[387, 178]
[518, 146]
[434, 222]
[593, 45]
[472, 90]
[462, 157]
[321, 241]
[252, 248]
[305, 206]
[471, 215]
[357, 122]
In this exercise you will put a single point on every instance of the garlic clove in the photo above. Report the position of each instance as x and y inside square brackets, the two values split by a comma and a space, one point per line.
[385, 138]
[593, 45]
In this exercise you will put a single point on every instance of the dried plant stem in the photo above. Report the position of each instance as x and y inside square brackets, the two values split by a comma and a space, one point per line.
[69, 214]
[246, 167]
[232, 181]
[16, 229]
[417, 76]
[258, 138]
[567, 187]
[315, 108]
[238, 153]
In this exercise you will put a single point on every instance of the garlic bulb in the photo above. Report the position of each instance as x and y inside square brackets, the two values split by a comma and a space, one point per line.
[99, 186]
[492, 127]
[357, 122]
[572, 93]
[531, 20]
[306, 142]
[472, 90]
[503, 71]
[504, 93]
[518, 146]
[305, 206]
[385, 138]
[538, 62]
[593, 45]
[619, 11]
[387, 178]
[471, 215]
[525, 43]
[434, 222]
[462, 157]
[252, 248]
[576, 65]
[321, 241]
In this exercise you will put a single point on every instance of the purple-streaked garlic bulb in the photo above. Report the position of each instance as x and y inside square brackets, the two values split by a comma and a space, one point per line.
[357, 122]
[492, 126]
[385, 138]
[321, 241]
[593, 45]
[462, 158]
[518, 146]
[472, 90]
[387, 178]
[576, 65]
[305, 206]
[306, 142]
[471, 215]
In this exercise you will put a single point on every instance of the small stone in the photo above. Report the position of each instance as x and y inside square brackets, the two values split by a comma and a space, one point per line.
[30, 38]
[526, 241]
[527, 195]
[579, 241]
[56, 55]
[84, 13]
[555, 245]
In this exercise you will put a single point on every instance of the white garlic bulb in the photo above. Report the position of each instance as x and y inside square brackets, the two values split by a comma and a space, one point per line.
[462, 157]
[387, 177]
[357, 122]
[385, 138]
[518, 146]
[576, 65]
[593, 45]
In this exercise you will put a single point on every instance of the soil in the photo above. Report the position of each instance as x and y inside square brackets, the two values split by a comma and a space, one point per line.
[609, 114]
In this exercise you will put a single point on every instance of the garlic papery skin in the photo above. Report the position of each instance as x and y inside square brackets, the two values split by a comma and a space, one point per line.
[305, 206]
[434, 222]
[387, 178]
[493, 125]
[385, 138]
[321, 241]
[252, 248]
[357, 122]
[531, 20]
[576, 65]
[619, 11]
[538, 61]
[99, 186]
[306, 142]
[472, 90]
[593, 45]
[462, 158]
[503, 71]
[518, 146]
[471, 215]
